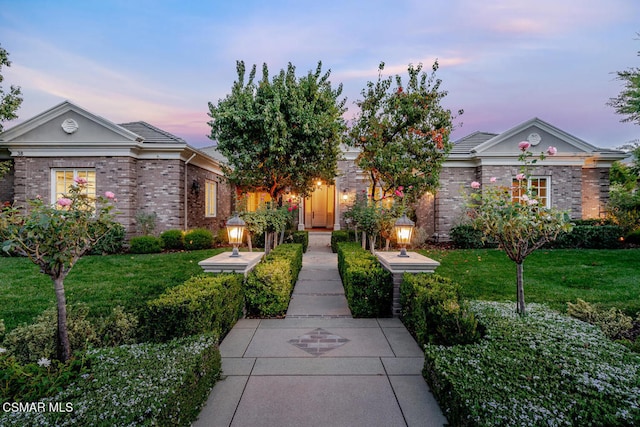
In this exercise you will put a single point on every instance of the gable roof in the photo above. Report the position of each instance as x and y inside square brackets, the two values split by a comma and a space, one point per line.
[468, 143]
[152, 134]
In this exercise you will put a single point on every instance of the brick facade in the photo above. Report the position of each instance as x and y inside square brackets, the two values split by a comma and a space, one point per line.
[595, 192]
[6, 186]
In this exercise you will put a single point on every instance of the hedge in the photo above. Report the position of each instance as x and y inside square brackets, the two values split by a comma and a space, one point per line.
[337, 237]
[301, 237]
[145, 245]
[434, 312]
[269, 286]
[203, 304]
[198, 238]
[367, 285]
[590, 237]
[173, 239]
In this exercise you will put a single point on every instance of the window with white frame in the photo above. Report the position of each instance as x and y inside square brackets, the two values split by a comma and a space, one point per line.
[63, 179]
[540, 187]
[211, 201]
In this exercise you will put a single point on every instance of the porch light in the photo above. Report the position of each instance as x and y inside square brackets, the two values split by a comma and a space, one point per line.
[404, 230]
[319, 183]
[345, 196]
[235, 231]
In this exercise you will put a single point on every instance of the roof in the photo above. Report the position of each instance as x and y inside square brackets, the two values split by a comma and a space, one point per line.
[212, 151]
[469, 142]
[152, 134]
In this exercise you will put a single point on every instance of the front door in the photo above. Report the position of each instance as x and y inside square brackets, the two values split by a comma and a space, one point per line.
[319, 207]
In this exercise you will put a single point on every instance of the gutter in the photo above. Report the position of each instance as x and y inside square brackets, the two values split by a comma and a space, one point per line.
[186, 194]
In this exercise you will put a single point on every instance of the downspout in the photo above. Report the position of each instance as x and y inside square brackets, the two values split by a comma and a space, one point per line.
[186, 204]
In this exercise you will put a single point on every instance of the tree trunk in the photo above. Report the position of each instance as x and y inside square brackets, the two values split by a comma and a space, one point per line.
[64, 348]
[267, 243]
[282, 236]
[387, 245]
[520, 288]
[372, 244]
[364, 240]
[249, 243]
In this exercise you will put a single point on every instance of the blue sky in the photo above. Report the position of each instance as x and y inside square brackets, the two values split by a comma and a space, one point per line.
[162, 61]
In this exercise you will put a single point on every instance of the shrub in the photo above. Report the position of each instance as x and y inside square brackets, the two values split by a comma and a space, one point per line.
[633, 237]
[465, 236]
[301, 237]
[142, 384]
[202, 304]
[173, 239]
[222, 237]
[199, 238]
[614, 323]
[367, 285]
[118, 328]
[145, 245]
[434, 312]
[146, 222]
[590, 237]
[337, 237]
[268, 287]
[542, 369]
[110, 243]
[30, 343]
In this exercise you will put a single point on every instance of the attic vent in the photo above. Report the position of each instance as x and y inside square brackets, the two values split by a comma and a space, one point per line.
[69, 126]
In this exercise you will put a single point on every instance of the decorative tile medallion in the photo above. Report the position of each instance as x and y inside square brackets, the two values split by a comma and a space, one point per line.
[318, 341]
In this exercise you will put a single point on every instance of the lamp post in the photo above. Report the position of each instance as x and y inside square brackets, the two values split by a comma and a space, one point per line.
[235, 231]
[404, 230]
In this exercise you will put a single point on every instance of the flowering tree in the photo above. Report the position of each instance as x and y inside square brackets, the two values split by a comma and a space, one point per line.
[56, 237]
[521, 226]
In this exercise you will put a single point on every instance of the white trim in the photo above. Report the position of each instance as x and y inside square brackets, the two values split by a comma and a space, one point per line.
[548, 187]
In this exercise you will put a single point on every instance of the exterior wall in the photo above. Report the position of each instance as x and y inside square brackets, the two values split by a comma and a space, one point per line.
[449, 201]
[6, 186]
[425, 210]
[32, 177]
[160, 189]
[595, 192]
[196, 200]
[354, 181]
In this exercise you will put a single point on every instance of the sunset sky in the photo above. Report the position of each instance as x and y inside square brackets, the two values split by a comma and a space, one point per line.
[162, 61]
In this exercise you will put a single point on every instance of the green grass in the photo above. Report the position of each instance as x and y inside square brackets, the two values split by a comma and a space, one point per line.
[102, 282]
[609, 278]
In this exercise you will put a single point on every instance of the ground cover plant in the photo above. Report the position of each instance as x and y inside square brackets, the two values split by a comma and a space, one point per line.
[102, 282]
[607, 278]
[542, 369]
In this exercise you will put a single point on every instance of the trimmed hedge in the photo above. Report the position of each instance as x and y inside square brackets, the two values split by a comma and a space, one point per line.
[367, 285]
[202, 304]
[434, 312]
[145, 245]
[301, 237]
[198, 238]
[464, 236]
[173, 239]
[590, 237]
[110, 243]
[337, 237]
[269, 286]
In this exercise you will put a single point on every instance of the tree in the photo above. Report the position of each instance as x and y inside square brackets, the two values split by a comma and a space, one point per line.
[402, 133]
[627, 103]
[9, 104]
[282, 134]
[519, 227]
[56, 237]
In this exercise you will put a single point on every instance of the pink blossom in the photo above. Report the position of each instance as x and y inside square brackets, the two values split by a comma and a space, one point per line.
[410, 187]
[289, 209]
[552, 150]
[63, 201]
[80, 180]
[493, 179]
[532, 202]
[295, 206]
[475, 184]
[520, 176]
[525, 197]
[400, 188]
[399, 193]
[109, 195]
[524, 145]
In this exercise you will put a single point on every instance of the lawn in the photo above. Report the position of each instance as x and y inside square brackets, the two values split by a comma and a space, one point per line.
[102, 282]
[610, 278]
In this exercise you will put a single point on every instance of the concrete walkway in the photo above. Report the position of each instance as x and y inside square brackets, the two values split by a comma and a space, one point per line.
[319, 366]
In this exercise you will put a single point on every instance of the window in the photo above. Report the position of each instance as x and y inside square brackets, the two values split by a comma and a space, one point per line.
[539, 187]
[211, 202]
[63, 179]
[254, 201]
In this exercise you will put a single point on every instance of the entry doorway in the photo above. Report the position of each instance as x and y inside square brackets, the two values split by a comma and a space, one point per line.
[319, 207]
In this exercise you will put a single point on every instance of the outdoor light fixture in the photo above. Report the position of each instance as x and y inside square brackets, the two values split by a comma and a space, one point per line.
[345, 196]
[235, 231]
[404, 230]
[319, 183]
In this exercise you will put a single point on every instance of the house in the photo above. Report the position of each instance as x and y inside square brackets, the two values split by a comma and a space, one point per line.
[153, 171]
[149, 170]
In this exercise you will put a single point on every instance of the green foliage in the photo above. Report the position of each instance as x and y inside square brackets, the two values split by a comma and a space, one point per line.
[337, 237]
[145, 245]
[30, 342]
[268, 287]
[539, 370]
[31, 382]
[434, 312]
[589, 237]
[403, 132]
[633, 237]
[5, 166]
[173, 239]
[118, 328]
[199, 238]
[203, 304]
[367, 286]
[614, 323]
[9, 102]
[623, 208]
[467, 236]
[279, 134]
[146, 222]
[627, 103]
[111, 242]
[301, 237]
[143, 384]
